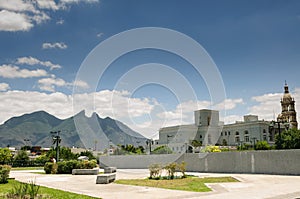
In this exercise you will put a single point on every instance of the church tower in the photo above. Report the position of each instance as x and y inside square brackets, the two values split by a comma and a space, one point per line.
[288, 112]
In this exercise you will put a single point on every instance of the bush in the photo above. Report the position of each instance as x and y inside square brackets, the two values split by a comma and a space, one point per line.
[155, 171]
[182, 168]
[4, 173]
[262, 145]
[48, 167]
[66, 167]
[88, 164]
[211, 148]
[171, 168]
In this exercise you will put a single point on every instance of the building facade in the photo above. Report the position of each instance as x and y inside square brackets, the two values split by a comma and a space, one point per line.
[208, 130]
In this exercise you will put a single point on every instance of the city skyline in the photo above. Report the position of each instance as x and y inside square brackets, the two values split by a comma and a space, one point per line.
[255, 46]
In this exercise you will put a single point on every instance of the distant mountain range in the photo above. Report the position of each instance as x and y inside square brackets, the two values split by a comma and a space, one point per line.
[80, 131]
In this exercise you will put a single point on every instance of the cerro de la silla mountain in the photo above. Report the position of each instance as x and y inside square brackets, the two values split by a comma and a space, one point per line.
[79, 131]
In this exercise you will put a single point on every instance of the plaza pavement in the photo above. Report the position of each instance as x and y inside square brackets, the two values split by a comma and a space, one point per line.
[250, 186]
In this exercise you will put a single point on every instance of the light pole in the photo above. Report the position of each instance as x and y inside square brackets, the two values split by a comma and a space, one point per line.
[149, 142]
[168, 136]
[56, 140]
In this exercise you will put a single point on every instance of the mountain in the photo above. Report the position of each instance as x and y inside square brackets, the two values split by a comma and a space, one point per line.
[79, 131]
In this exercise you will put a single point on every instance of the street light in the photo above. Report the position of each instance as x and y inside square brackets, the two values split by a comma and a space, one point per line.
[149, 142]
[168, 136]
[56, 140]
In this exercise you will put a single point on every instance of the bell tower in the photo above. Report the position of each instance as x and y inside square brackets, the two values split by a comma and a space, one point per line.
[288, 112]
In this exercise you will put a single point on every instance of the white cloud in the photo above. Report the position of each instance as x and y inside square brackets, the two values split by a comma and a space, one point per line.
[40, 17]
[60, 22]
[47, 4]
[34, 61]
[80, 84]
[267, 107]
[12, 21]
[4, 86]
[9, 71]
[59, 45]
[48, 84]
[22, 15]
[78, 1]
[228, 104]
[17, 5]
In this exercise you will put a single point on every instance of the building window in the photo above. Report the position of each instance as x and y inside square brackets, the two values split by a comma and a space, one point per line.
[237, 133]
[246, 132]
[222, 133]
[228, 132]
[237, 139]
[247, 139]
[208, 121]
[265, 137]
[225, 133]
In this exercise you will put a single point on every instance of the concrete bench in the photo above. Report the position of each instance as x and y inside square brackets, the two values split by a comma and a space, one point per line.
[85, 171]
[105, 178]
[110, 169]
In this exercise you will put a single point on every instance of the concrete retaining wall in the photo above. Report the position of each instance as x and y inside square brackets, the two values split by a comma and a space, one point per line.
[137, 161]
[284, 162]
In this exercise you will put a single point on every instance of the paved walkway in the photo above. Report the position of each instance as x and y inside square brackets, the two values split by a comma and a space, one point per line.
[250, 186]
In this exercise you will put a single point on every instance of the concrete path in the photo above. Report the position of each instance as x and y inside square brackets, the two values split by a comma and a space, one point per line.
[250, 186]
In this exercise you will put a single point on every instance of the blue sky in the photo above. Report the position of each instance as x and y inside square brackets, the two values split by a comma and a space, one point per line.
[255, 45]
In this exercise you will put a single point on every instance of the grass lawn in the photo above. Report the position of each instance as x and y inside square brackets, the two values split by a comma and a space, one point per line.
[26, 168]
[186, 184]
[50, 193]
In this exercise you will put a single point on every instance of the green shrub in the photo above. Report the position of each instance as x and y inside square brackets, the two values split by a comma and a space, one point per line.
[4, 173]
[66, 167]
[262, 145]
[48, 167]
[88, 164]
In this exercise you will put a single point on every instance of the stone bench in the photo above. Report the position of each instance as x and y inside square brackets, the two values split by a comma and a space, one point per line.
[110, 169]
[85, 171]
[105, 178]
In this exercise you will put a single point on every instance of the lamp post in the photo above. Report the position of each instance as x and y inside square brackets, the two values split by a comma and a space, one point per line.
[168, 136]
[149, 142]
[254, 139]
[56, 140]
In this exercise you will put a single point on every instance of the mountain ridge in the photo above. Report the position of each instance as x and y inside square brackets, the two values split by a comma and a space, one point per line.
[79, 130]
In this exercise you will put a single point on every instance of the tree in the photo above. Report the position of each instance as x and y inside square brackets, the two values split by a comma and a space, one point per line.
[64, 153]
[88, 154]
[21, 158]
[289, 139]
[5, 155]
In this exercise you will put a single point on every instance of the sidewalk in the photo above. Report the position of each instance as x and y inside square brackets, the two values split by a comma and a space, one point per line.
[250, 186]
